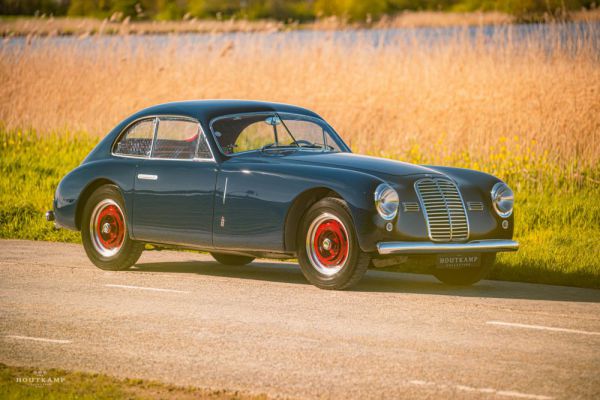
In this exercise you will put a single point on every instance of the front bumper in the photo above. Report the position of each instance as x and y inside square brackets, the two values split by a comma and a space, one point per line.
[476, 246]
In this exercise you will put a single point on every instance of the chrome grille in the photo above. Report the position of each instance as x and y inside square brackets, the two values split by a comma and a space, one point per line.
[444, 210]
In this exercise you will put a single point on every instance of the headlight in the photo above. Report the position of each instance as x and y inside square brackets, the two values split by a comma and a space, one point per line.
[503, 199]
[386, 201]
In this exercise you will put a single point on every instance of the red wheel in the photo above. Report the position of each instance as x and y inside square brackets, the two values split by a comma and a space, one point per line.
[107, 228]
[328, 250]
[328, 244]
[104, 231]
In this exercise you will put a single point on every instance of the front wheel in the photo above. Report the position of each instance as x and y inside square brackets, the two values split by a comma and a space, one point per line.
[327, 247]
[468, 275]
[105, 233]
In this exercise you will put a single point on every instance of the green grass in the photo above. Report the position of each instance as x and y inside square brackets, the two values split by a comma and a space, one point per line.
[25, 383]
[31, 167]
[557, 212]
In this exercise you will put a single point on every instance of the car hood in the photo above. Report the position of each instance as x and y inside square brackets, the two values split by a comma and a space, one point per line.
[371, 165]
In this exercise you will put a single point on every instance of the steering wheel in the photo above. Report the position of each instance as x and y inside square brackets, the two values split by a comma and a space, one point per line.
[308, 143]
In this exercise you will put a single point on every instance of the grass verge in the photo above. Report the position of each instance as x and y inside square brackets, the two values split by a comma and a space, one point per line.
[557, 216]
[33, 383]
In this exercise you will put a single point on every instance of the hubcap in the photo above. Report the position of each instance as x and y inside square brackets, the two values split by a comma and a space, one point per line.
[107, 228]
[327, 244]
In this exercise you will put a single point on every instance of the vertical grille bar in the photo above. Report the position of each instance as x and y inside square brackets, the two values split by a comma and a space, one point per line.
[444, 210]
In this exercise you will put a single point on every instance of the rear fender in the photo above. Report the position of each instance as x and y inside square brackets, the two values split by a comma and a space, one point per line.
[74, 189]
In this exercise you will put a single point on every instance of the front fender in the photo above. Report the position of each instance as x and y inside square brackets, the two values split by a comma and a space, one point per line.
[356, 188]
[261, 196]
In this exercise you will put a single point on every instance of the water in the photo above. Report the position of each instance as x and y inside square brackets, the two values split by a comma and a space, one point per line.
[568, 35]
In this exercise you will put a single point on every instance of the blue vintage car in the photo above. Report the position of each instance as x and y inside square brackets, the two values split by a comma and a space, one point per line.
[247, 179]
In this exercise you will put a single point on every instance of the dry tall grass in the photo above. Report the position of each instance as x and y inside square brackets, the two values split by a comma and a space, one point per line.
[464, 102]
[527, 111]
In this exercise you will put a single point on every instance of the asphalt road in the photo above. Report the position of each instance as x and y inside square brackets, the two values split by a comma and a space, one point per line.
[182, 318]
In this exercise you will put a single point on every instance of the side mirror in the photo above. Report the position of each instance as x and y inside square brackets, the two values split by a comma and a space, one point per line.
[273, 120]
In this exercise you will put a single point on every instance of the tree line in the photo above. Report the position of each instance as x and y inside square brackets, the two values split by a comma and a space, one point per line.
[298, 10]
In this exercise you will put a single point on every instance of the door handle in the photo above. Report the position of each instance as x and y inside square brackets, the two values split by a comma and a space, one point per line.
[147, 177]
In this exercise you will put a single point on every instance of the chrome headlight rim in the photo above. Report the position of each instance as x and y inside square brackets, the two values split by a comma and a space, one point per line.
[385, 195]
[498, 192]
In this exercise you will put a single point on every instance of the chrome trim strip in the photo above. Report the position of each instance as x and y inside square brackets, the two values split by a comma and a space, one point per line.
[154, 133]
[147, 177]
[410, 206]
[156, 123]
[475, 205]
[475, 246]
[225, 190]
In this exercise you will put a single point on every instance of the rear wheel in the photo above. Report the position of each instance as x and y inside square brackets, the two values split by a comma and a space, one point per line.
[231, 259]
[104, 231]
[466, 276]
[328, 250]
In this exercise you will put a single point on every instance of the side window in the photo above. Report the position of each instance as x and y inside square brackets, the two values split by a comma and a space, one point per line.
[203, 149]
[176, 139]
[308, 131]
[137, 141]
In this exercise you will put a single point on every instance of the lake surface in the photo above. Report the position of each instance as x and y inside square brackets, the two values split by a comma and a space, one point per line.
[568, 35]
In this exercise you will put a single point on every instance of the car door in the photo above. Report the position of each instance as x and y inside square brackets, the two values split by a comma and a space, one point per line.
[252, 197]
[174, 187]
[251, 206]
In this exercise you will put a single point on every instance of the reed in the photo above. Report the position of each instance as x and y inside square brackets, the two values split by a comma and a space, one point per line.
[506, 104]
[526, 110]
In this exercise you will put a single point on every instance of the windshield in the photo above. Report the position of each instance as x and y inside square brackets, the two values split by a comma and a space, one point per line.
[274, 131]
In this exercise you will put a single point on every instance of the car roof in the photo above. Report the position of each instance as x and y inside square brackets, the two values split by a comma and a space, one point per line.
[206, 110]
[202, 110]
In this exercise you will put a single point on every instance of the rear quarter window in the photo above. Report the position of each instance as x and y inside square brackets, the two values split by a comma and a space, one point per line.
[137, 139]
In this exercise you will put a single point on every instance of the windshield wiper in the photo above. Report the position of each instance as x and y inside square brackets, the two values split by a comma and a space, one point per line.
[274, 146]
[311, 145]
[267, 146]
